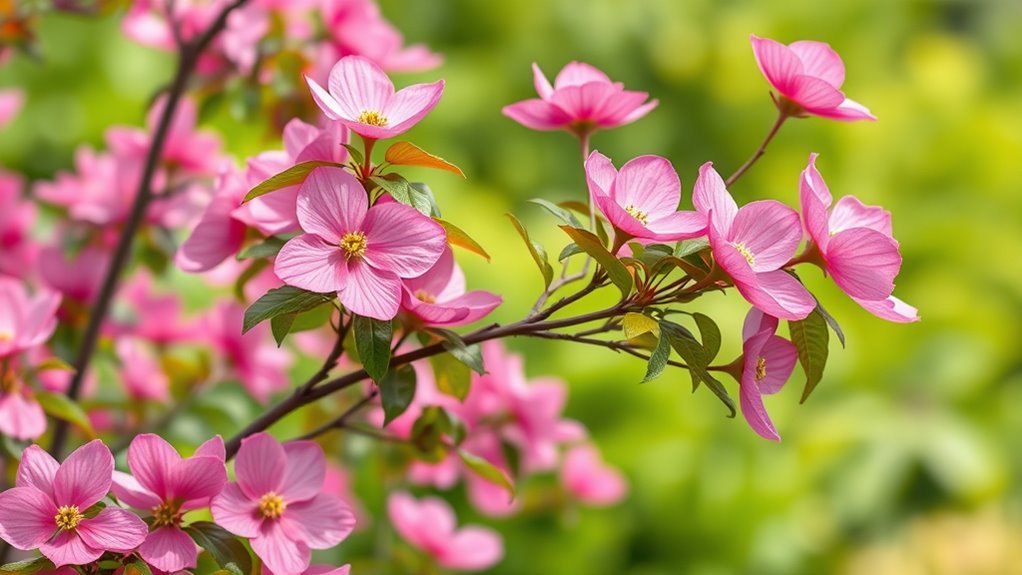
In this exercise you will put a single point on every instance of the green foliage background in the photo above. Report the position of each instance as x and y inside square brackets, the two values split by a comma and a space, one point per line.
[908, 457]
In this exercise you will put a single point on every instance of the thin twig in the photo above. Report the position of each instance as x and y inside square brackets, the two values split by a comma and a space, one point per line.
[781, 117]
[342, 419]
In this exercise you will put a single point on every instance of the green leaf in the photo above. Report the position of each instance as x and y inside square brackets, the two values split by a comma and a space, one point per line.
[425, 191]
[831, 322]
[470, 355]
[710, 334]
[537, 251]
[281, 301]
[428, 432]
[289, 177]
[397, 390]
[559, 212]
[658, 359]
[264, 249]
[453, 377]
[811, 339]
[635, 324]
[59, 406]
[27, 567]
[355, 154]
[456, 236]
[246, 276]
[689, 247]
[137, 568]
[373, 339]
[403, 192]
[226, 549]
[487, 471]
[694, 355]
[568, 251]
[281, 326]
[54, 363]
[617, 271]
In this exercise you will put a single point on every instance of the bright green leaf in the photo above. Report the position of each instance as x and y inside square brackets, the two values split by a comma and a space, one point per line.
[658, 359]
[487, 471]
[373, 339]
[60, 406]
[289, 177]
[559, 212]
[616, 270]
[225, 548]
[536, 250]
[281, 301]
[453, 377]
[811, 339]
[27, 567]
[710, 334]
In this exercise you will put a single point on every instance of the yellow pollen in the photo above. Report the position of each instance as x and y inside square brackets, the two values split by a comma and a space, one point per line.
[68, 517]
[746, 252]
[372, 118]
[760, 369]
[637, 214]
[5, 336]
[271, 506]
[166, 515]
[353, 244]
[425, 296]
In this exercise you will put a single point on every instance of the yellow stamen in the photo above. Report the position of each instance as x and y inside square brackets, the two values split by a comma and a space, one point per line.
[372, 118]
[271, 506]
[637, 214]
[68, 517]
[166, 515]
[746, 252]
[761, 369]
[425, 296]
[353, 244]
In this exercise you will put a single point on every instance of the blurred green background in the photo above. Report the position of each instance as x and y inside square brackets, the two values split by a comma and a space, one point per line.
[907, 459]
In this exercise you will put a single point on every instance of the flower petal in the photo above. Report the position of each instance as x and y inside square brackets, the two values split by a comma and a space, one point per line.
[320, 522]
[755, 412]
[820, 60]
[196, 478]
[26, 517]
[216, 237]
[37, 469]
[757, 322]
[150, 459]
[329, 105]
[371, 292]
[891, 309]
[600, 174]
[814, 94]
[577, 74]
[777, 62]
[278, 553]
[113, 529]
[85, 476]
[472, 549]
[850, 213]
[864, 263]
[649, 184]
[67, 548]
[677, 226]
[331, 203]
[260, 466]
[304, 473]
[401, 240]
[21, 416]
[129, 490]
[848, 111]
[236, 512]
[537, 114]
[359, 85]
[169, 549]
[539, 80]
[779, 356]
[308, 262]
[710, 196]
[770, 231]
[790, 299]
[815, 198]
[410, 105]
[214, 448]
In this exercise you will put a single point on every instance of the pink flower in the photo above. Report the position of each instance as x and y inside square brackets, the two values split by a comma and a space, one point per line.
[141, 373]
[25, 320]
[157, 317]
[10, 105]
[21, 416]
[79, 276]
[362, 97]
[642, 199]
[582, 99]
[100, 191]
[808, 75]
[253, 357]
[438, 296]
[361, 252]
[18, 251]
[589, 479]
[430, 525]
[217, 235]
[752, 244]
[277, 503]
[46, 508]
[855, 245]
[319, 570]
[356, 27]
[767, 363]
[165, 484]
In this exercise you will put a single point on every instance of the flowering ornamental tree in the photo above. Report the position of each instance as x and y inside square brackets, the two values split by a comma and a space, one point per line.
[335, 257]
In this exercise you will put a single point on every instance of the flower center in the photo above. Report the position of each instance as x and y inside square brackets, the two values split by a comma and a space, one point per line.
[746, 252]
[68, 517]
[353, 244]
[637, 214]
[761, 369]
[372, 118]
[166, 515]
[271, 506]
[425, 296]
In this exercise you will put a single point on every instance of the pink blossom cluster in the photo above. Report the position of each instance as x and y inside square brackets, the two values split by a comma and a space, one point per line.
[73, 512]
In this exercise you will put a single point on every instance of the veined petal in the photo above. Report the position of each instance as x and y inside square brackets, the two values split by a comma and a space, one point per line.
[584, 102]
[815, 198]
[85, 476]
[847, 111]
[755, 412]
[677, 226]
[199, 477]
[779, 356]
[577, 74]
[433, 313]
[410, 105]
[113, 529]
[478, 304]
[820, 60]
[21, 416]
[308, 262]
[850, 213]
[304, 473]
[67, 548]
[260, 465]
[236, 512]
[213, 447]
[711, 196]
[329, 105]
[777, 62]
[757, 322]
[37, 469]
[169, 549]
[600, 173]
[539, 80]
[320, 522]
[150, 459]
[769, 231]
[537, 114]
[331, 203]
[359, 85]
[26, 517]
[129, 490]
[864, 263]
[891, 309]
[790, 299]
[649, 184]
[279, 553]
[814, 94]
[371, 292]
[402, 241]
[617, 108]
